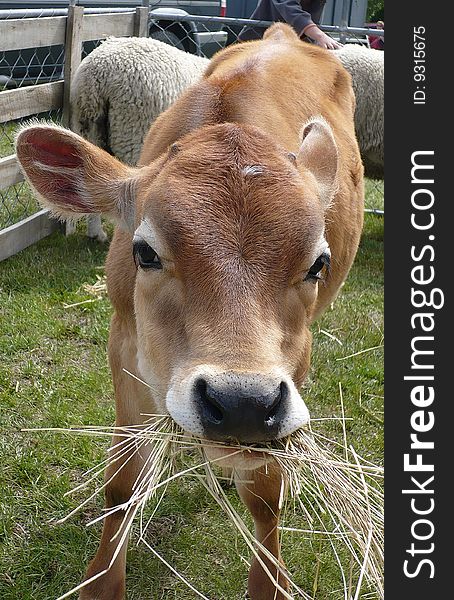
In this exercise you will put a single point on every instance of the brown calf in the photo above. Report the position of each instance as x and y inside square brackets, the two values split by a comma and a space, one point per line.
[248, 194]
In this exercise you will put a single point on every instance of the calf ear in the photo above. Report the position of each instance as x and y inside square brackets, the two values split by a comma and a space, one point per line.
[318, 154]
[73, 177]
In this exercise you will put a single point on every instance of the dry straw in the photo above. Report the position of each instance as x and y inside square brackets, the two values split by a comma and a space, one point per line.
[337, 492]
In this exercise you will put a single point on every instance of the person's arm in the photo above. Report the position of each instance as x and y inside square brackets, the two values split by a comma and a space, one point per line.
[301, 21]
[292, 13]
[320, 37]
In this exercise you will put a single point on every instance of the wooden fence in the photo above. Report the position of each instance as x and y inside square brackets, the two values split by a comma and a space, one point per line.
[70, 31]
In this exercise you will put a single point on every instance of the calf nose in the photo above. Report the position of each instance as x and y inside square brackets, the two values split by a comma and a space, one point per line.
[242, 408]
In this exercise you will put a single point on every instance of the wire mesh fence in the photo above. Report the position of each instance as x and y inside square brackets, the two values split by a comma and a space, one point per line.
[24, 68]
[17, 201]
[201, 35]
[21, 68]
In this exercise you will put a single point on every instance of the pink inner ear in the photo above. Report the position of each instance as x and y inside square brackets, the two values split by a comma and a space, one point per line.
[60, 189]
[65, 194]
[54, 164]
[52, 150]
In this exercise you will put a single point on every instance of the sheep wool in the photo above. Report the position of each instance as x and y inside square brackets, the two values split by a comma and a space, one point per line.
[367, 69]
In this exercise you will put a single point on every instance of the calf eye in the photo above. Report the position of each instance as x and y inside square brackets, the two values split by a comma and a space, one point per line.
[145, 257]
[314, 272]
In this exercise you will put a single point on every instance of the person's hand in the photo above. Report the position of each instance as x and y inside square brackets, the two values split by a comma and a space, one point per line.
[321, 39]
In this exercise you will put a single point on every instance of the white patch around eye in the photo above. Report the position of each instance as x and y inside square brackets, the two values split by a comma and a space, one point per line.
[146, 232]
[322, 247]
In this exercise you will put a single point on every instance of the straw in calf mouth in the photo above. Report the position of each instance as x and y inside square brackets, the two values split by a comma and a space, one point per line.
[329, 489]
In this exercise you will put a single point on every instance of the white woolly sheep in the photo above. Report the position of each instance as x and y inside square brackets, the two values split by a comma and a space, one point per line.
[367, 68]
[119, 90]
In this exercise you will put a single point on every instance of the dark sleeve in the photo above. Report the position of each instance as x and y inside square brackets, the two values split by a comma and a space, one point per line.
[292, 13]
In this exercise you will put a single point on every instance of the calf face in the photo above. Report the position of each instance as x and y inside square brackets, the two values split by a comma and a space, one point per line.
[228, 239]
[233, 257]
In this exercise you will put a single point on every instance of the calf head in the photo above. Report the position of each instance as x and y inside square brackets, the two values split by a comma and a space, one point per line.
[227, 236]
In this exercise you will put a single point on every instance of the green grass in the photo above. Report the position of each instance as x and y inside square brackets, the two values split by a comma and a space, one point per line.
[16, 203]
[7, 138]
[53, 372]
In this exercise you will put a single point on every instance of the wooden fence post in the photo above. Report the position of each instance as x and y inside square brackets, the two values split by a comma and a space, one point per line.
[141, 21]
[73, 55]
[73, 58]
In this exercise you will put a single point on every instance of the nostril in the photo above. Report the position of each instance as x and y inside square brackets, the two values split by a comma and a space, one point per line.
[270, 417]
[209, 406]
[240, 407]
